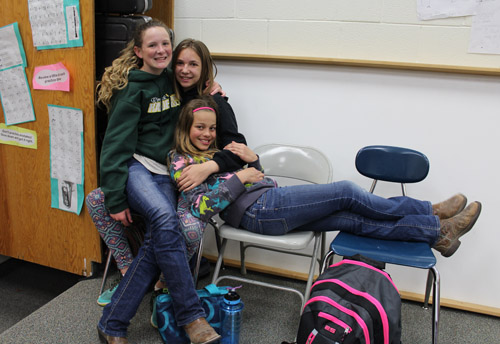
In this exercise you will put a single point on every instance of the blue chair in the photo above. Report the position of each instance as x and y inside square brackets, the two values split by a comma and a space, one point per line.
[399, 165]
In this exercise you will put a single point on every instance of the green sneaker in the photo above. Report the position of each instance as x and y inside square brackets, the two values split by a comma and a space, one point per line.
[105, 297]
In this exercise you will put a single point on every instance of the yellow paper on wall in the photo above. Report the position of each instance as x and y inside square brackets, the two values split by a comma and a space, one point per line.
[17, 136]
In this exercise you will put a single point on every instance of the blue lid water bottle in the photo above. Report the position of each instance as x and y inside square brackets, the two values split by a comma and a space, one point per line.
[231, 308]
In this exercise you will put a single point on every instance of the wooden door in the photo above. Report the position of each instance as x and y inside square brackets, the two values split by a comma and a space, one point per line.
[29, 228]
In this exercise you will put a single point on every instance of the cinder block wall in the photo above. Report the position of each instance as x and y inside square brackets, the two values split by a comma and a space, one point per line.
[380, 30]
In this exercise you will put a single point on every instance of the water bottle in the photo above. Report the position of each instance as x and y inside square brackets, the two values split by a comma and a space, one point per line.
[231, 308]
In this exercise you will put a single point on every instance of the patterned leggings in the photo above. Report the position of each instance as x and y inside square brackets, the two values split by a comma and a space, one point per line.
[113, 232]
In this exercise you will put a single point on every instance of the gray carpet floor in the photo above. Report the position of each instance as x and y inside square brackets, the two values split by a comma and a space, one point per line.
[270, 316]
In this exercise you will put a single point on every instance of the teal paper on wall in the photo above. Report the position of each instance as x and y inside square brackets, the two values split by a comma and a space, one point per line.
[55, 24]
[66, 158]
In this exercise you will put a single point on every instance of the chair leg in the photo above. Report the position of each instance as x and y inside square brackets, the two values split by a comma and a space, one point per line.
[242, 258]
[323, 249]
[216, 232]
[317, 242]
[436, 305]
[219, 261]
[196, 271]
[105, 275]
[326, 261]
[428, 287]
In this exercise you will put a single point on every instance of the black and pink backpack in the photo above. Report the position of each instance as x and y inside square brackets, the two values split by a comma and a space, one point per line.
[352, 301]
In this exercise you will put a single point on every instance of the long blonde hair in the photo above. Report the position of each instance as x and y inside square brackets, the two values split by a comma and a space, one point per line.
[182, 143]
[208, 67]
[115, 77]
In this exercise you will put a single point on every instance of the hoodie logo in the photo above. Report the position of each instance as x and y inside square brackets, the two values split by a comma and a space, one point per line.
[161, 104]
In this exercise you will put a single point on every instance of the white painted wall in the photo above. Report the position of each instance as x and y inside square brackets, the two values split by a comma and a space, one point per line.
[452, 118]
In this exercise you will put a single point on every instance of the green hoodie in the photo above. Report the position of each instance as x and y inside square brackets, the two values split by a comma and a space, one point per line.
[142, 120]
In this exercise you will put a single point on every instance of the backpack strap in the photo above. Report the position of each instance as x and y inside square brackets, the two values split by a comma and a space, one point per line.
[360, 258]
[214, 290]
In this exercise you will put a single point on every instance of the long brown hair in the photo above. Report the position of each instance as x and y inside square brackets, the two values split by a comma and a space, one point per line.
[115, 77]
[208, 67]
[182, 143]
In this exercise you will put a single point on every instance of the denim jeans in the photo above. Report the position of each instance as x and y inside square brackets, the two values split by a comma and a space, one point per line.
[341, 206]
[153, 196]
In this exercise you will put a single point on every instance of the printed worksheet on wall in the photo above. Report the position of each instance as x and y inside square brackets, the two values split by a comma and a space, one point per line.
[55, 24]
[66, 158]
[15, 93]
[434, 9]
[485, 29]
[16, 96]
[12, 49]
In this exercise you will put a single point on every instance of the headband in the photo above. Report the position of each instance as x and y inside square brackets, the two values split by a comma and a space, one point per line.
[203, 108]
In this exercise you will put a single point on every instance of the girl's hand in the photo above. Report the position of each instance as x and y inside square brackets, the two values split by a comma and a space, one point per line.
[125, 217]
[242, 150]
[216, 88]
[194, 175]
[250, 175]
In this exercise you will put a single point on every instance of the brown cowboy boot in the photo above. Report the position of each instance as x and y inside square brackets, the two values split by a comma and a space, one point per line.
[452, 229]
[200, 332]
[110, 339]
[451, 207]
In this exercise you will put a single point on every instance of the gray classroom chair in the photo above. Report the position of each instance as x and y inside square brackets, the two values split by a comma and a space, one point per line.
[288, 165]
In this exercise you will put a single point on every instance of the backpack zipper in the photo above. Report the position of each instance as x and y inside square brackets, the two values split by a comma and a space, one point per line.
[347, 311]
[369, 298]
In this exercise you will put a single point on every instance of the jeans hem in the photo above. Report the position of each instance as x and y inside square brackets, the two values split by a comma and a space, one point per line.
[112, 333]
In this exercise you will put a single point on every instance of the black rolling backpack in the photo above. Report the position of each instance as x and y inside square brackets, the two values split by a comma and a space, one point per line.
[353, 301]
[123, 6]
[115, 24]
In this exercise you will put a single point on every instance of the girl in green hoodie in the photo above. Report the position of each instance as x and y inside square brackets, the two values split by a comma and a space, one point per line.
[138, 91]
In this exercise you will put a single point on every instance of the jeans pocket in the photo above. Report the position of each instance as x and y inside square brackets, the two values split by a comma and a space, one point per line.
[272, 226]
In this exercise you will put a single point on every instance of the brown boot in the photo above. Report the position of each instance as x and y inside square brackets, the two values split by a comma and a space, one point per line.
[452, 229]
[451, 207]
[111, 340]
[200, 332]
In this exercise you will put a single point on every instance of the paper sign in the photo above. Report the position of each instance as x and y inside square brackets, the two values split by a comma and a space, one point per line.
[52, 77]
[15, 95]
[485, 29]
[55, 24]
[12, 50]
[16, 136]
[66, 158]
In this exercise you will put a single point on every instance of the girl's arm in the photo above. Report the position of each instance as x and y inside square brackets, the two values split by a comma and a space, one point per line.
[209, 198]
[194, 175]
[227, 132]
[118, 147]
[216, 88]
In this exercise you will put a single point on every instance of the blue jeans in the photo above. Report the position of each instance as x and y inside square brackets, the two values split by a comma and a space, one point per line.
[153, 196]
[341, 206]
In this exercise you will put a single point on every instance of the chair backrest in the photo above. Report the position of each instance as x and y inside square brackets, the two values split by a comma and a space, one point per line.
[287, 162]
[392, 164]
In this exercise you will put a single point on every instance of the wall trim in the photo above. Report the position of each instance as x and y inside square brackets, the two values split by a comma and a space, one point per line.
[409, 296]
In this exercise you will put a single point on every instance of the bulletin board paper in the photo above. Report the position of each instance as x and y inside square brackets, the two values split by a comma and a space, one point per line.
[53, 77]
[16, 136]
[435, 9]
[12, 49]
[485, 29]
[66, 158]
[15, 95]
[55, 24]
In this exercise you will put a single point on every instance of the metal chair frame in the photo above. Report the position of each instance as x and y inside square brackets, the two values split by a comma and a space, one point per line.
[274, 159]
[433, 277]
